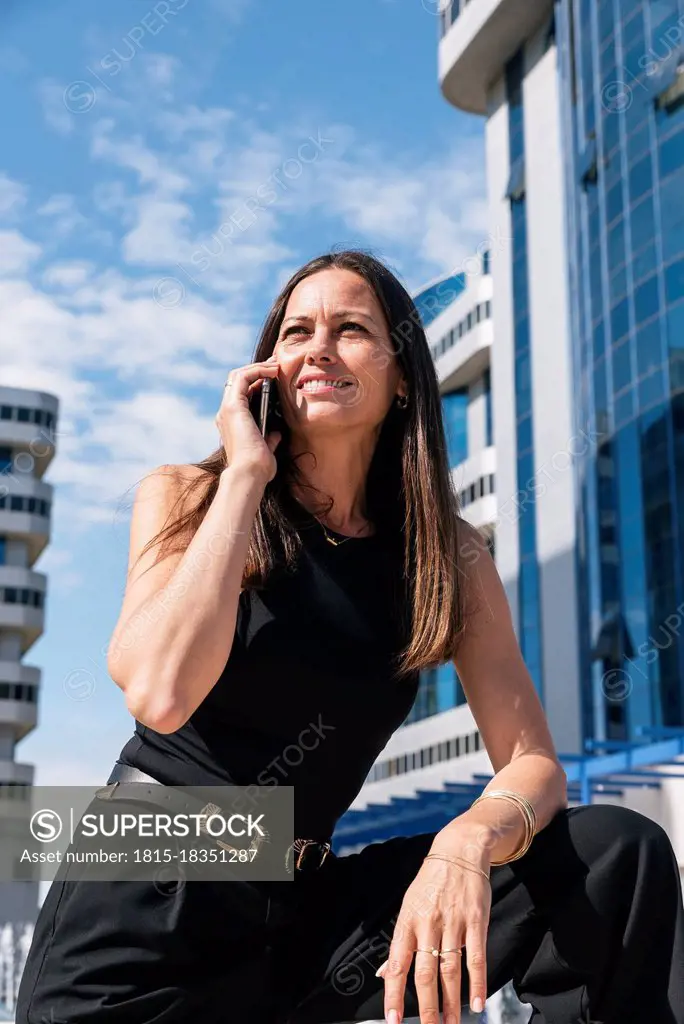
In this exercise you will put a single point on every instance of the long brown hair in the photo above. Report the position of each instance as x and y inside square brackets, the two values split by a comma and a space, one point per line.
[409, 490]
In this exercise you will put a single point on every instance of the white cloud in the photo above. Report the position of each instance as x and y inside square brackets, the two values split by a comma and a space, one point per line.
[12, 197]
[68, 274]
[16, 253]
[203, 227]
[64, 213]
[51, 96]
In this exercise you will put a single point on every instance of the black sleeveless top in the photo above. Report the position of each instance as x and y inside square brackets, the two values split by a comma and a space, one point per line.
[309, 695]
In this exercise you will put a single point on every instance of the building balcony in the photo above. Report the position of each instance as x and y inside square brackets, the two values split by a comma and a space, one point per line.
[461, 337]
[475, 481]
[27, 426]
[25, 506]
[480, 37]
[14, 772]
[467, 359]
[22, 601]
[19, 687]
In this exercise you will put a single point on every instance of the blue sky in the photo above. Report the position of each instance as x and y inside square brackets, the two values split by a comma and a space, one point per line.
[166, 166]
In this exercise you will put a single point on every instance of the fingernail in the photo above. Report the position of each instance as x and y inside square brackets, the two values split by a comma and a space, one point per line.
[477, 1005]
[393, 1017]
[380, 969]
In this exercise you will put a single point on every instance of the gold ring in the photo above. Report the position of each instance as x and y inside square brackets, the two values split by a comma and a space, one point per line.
[228, 384]
[443, 951]
[433, 951]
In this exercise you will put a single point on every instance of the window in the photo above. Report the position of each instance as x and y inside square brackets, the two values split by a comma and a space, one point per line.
[588, 164]
[3, 551]
[674, 281]
[641, 178]
[643, 223]
[515, 190]
[672, 215]
[646, 300]
[619, 320]
[5, 458]
[622, 369]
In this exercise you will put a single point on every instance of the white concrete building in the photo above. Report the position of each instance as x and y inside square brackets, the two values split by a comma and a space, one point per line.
[511, 62]
[27, 430]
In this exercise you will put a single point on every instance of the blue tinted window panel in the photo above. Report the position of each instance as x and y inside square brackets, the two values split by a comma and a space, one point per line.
[619, 320]
[652, 389]
[672, 215]
[618, 285]
[671, 153]
[674, 281]
[622, 366]
[641, 178]
[675, 326]
[646, 299]
[649, 347]
[644, 263]
[525, 433]
[527, 528]
[624, 408]
[616, 244]
[638, 143]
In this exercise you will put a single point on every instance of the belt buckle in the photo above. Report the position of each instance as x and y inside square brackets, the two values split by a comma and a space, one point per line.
[303, 844]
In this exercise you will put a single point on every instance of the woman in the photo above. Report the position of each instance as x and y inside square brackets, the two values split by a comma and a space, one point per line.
[295, 586]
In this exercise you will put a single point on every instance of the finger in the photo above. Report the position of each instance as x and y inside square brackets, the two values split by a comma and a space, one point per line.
[273, 440]
[476, 959]
[239, 382]
[426, 975]
[398, 964]
[381, 969]
[450, 979]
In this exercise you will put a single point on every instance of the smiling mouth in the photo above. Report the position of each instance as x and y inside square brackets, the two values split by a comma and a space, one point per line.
[312, 386]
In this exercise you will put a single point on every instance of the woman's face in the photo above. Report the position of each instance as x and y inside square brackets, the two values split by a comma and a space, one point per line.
[337, 363]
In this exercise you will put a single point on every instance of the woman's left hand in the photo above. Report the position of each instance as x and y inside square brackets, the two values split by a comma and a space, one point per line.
[446, 907]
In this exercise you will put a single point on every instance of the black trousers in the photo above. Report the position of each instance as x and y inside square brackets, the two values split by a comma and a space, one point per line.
[589, 925]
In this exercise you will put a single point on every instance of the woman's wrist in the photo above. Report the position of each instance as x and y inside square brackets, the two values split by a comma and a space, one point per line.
[482, 834]
[472, 840]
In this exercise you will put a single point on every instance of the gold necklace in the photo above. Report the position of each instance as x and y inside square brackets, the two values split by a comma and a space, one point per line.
[333, 540]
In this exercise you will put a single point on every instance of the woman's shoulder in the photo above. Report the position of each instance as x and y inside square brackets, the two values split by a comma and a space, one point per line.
[172, 480]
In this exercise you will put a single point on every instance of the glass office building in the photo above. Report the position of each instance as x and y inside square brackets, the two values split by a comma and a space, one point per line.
[622, 64]
[530, 634]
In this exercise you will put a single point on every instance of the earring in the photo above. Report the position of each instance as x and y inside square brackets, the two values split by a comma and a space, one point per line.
[402, 401]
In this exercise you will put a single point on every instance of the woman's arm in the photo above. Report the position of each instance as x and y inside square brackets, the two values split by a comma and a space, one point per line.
[508, 713]
[177, 621]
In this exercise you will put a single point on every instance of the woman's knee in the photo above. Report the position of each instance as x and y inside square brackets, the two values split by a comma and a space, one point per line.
[623, 827]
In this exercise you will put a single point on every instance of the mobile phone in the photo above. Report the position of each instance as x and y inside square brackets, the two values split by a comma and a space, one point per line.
[261, 404]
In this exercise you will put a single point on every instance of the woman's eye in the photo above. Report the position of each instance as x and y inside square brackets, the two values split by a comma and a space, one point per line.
[351, 325]
[293, 330]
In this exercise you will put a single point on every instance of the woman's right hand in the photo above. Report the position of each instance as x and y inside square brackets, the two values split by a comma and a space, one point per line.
[239, 431]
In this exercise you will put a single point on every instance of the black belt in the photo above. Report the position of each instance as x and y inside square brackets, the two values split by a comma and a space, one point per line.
[303, 854]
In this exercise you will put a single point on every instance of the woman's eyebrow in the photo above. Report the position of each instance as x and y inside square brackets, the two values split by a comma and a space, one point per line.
[336, 316]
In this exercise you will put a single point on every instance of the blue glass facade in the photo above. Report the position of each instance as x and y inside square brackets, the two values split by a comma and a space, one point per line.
[434, 300]
[455, 412]
[529, 631]
[624, 141]
[489, 422]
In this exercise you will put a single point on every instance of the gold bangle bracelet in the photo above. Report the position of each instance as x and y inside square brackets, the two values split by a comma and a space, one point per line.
[529, 816]
[460, 861]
